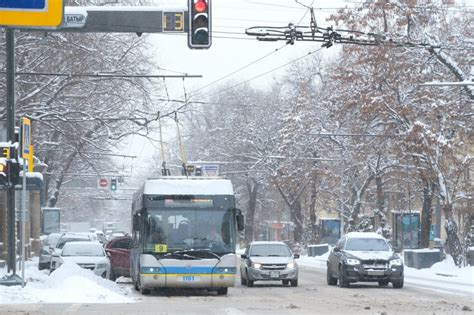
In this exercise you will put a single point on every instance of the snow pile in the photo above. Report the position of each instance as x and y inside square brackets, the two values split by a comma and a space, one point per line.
[68, 284]
[315, 262]
[444, 271]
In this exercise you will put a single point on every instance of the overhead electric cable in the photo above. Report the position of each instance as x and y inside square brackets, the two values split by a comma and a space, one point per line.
[267, 72]
[238, 70]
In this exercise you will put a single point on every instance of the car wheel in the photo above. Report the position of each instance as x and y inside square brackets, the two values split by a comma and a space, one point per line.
[249, 283]
[286, 282]
[112, 276]
[294, 283]
[222, 291]
[383, 283]
[330, 279]
[398, 284]
[243, 281]
[343, 282]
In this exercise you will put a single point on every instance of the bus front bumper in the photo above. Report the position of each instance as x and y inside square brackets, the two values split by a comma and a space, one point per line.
[214, 280]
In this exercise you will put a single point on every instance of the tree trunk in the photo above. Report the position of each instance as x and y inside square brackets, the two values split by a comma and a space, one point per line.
[382, 210]
[426, 213]
[252, 186]
[453, 243]
[312, 215]
[296, 217]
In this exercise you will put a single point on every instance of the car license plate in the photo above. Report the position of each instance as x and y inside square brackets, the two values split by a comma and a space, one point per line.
[189, 278]
[274, 274]
[375, 272]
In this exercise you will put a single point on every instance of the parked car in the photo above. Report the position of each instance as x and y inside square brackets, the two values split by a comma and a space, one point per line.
[364, 256]
[63, 240]
[118, 251]
[47, 246]
[115, 234]
[88, 255]
[264, 261]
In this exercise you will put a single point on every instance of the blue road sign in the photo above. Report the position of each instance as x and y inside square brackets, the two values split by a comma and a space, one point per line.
[35, 13]
[23, 4]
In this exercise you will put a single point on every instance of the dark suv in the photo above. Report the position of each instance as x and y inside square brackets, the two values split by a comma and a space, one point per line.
[364, 256]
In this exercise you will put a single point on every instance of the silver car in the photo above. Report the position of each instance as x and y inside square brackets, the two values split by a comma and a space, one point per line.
[268, 261]
[47, 247]
[88, 255]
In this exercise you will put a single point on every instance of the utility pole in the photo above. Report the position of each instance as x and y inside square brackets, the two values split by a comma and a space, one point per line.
[10, 105]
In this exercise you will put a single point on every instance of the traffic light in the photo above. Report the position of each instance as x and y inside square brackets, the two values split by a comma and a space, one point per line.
[199, 34]
[4, 181]
[113, 184]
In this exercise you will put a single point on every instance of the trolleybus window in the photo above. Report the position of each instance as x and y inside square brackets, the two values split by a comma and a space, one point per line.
[189, 223]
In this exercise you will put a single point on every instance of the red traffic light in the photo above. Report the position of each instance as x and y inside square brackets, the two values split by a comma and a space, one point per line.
[200, 6]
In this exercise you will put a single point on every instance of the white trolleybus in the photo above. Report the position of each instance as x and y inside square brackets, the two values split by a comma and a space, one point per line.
[184, 233]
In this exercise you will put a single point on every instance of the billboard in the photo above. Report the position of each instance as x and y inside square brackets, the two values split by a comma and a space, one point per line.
[50, 220]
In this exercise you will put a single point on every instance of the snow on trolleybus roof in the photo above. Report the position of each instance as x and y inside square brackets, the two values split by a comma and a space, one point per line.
[188, 186]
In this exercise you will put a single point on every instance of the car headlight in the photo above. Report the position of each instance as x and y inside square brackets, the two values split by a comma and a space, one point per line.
[256, 265]
[395, 262]
[290, 265]
[352, 262]
[101, 266]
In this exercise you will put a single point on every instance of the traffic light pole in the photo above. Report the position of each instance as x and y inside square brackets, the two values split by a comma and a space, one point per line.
[10, 108]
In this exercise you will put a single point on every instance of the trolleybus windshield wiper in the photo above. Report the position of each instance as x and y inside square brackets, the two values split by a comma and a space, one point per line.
[179, 254]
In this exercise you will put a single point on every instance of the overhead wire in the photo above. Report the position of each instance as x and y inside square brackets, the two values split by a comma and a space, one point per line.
[267, 72]
[239, 69]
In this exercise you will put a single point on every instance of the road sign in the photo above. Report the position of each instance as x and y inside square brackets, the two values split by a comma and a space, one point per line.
[103, 183]
[210, 170]
[35, 13]
[74, 21]
[26, 138]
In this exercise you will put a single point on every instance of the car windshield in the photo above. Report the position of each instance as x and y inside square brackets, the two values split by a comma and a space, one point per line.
[53, 239]
[63, 241]
[275, 250]
[367, 244]
[91, 249]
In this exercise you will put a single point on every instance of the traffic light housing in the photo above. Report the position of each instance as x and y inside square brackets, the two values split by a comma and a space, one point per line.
[199, 34]
[113, 184]
[4, 180]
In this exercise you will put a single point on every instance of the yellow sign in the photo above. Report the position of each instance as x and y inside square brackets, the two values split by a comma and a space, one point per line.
[6, 153]
[161, 248]
[30, 160]
[33, 13]
[26, 138]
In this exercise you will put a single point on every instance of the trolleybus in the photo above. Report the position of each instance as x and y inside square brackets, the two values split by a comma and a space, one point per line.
[185, 231]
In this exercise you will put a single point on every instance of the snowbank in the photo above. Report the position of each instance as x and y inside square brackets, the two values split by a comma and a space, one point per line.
[68, 284]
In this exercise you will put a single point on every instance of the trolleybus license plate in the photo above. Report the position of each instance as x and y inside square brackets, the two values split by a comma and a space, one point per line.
[189, 278]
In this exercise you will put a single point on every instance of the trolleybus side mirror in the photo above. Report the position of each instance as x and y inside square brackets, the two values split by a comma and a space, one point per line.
[240, 220]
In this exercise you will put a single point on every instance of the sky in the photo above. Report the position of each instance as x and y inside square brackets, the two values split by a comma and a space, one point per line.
[230, 51]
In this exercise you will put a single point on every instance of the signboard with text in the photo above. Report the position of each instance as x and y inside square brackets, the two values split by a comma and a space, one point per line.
[34, 13]
[51, 220]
